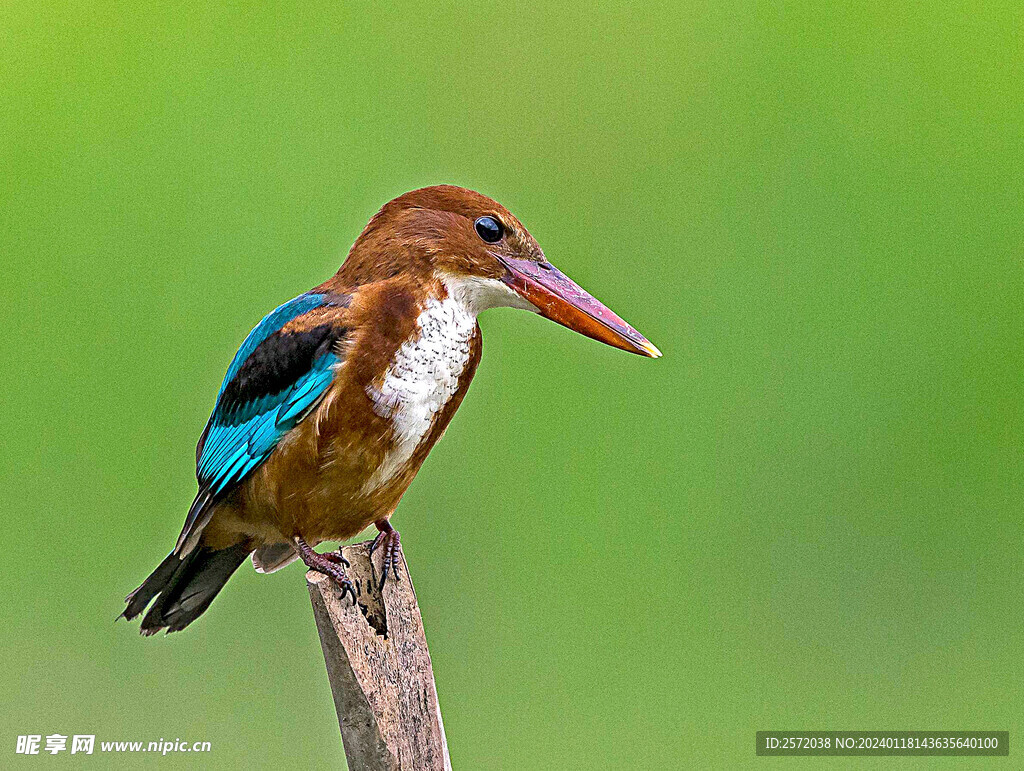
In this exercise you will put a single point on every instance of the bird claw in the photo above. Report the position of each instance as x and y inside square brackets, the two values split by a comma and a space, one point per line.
[330, 564]
[376, 542]
[347, 587]
[337, 558]
[341, 580]
[392, 549]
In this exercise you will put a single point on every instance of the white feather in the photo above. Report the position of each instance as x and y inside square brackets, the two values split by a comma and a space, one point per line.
[425, 372]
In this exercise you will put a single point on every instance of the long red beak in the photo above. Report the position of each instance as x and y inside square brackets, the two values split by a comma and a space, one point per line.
[561, 299]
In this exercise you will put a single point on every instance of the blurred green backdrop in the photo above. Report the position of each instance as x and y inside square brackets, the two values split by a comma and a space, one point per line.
[806, 515]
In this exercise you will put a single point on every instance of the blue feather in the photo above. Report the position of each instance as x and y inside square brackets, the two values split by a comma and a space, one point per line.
[270, 324]
[242, 434]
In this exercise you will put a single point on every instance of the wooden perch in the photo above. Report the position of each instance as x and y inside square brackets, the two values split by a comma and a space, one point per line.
[379, 668]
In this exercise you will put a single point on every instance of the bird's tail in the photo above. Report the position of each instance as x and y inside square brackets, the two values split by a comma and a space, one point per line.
[184, 587]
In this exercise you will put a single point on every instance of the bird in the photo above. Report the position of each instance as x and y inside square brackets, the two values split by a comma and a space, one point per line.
[333, 401]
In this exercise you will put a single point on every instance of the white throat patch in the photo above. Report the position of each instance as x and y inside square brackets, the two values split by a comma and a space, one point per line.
[425, 372]
[478, 294]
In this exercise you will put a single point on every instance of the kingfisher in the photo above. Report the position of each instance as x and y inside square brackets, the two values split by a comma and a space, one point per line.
[334, 399]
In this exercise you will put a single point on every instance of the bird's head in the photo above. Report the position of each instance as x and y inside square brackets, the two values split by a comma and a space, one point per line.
[484, 257]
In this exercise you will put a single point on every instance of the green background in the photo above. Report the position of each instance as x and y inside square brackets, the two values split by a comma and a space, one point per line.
[806, 515]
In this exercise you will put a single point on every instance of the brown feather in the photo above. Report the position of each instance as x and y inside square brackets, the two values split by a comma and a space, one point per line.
[313, 483]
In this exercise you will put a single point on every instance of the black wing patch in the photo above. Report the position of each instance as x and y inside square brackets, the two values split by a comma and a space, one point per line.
[277, 364]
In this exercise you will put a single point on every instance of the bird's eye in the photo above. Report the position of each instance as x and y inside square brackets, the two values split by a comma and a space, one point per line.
[489, 229]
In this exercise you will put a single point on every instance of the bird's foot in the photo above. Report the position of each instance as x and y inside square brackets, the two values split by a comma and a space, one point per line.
[330, 565]
[336, 557]
[392, 543]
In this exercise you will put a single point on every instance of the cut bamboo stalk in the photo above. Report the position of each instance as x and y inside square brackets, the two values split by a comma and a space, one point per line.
[379, 668]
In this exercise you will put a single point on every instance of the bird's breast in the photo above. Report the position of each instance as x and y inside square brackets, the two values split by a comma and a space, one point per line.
[421, 378]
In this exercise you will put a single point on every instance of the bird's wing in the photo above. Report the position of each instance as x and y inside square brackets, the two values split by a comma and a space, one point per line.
[279, 374]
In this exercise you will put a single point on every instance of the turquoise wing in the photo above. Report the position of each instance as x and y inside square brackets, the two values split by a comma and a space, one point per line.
[273, 382]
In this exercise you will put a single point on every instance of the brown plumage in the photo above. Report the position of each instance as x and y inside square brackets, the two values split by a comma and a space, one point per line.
[311, 486]
[332, 404]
